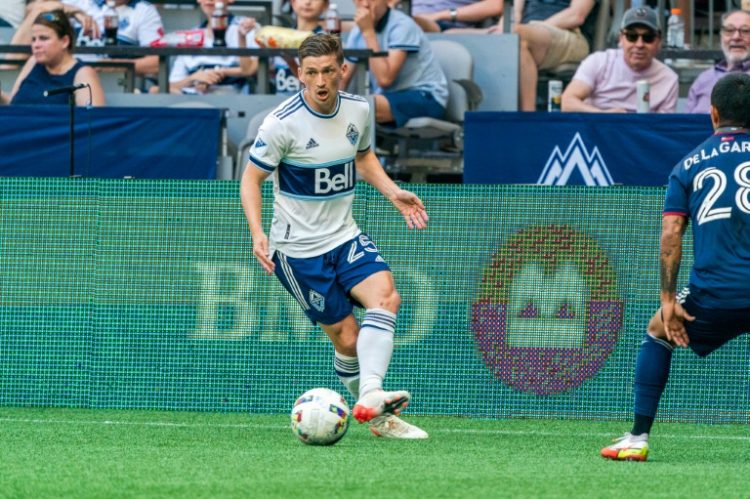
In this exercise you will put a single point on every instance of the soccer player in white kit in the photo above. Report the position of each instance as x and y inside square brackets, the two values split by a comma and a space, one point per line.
[311, 144]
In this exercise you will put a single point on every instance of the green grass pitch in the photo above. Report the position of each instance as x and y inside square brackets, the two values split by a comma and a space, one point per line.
[120, 454]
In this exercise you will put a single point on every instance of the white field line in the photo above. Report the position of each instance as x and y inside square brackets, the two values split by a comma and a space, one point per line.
[252, 426]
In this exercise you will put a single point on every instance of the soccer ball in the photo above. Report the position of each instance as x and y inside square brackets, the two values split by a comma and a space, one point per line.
[320, 417]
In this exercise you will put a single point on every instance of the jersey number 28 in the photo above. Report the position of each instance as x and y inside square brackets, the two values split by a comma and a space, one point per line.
[707, 212]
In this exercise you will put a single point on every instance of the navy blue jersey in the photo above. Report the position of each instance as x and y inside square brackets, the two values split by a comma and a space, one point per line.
[712, 186]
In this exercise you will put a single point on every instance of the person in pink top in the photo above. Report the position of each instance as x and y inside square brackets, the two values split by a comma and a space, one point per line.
[606, 81]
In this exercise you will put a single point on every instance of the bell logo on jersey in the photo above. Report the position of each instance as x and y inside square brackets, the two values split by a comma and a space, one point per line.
[325, 183]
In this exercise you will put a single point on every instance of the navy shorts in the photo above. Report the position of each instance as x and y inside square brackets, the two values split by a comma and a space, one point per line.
[408, 104]
[321, 284]
[712, 327]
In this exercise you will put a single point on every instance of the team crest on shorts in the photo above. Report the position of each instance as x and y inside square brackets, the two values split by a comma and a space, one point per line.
[352, 133]
[317, 301]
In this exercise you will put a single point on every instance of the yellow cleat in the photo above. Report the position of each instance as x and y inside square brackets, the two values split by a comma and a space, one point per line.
[628, 448]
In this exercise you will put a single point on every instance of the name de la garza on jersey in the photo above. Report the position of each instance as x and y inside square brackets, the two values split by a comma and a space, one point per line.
[311, 159]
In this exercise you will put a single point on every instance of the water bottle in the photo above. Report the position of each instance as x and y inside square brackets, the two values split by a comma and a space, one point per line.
[219, 24]
[333, 20]
[111, 22]
[676, 29]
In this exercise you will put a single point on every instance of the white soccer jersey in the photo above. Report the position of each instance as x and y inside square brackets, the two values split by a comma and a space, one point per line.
[139, 22]
[185, 65]
[311, 157]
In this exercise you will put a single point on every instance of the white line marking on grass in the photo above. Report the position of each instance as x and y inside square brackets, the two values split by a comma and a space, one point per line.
[142, 423]
[253, 426]
[546, 434]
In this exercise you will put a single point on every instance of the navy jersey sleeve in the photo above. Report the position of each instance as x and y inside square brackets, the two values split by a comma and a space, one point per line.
[676, 201]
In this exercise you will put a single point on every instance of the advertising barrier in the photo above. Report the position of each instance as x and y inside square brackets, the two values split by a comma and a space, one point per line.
[518, 301]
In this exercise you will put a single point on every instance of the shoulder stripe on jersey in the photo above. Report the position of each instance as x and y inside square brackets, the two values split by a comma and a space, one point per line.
[293, 284]
[292, 102]
[290, 111]
[347, 95]
[260, 164]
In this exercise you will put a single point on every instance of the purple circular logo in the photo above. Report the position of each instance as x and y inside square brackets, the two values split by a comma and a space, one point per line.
[548, 314]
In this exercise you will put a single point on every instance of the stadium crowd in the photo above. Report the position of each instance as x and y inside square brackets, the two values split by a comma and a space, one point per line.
[557, 41]
[551, 34]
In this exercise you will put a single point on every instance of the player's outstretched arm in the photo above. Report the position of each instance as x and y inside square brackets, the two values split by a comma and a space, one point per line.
[408, 203]
[252, 200]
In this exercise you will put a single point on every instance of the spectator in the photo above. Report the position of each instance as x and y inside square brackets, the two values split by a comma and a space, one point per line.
[551, 32]
[606, 81]
[52, 65]
[735, 43]
[408, 82]
[139, 25]
[307, 16]
[203, 74]
[435, 16]
[12, 13]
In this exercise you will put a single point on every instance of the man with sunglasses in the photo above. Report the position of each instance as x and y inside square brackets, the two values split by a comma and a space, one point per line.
[606, 81]
[735, 43]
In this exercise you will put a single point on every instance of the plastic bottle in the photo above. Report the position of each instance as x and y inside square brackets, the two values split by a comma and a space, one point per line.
[111, 22]
[676, 29]
[333, 20]
[219, 25]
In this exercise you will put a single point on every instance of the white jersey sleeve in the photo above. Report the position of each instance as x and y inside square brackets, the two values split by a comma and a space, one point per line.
[269, 147]
[148, 24]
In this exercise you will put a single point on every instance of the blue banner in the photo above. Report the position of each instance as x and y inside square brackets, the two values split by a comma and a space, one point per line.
[578, 148]
[110, 142]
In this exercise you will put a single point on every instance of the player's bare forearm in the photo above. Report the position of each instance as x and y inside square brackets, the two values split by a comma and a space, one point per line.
[252, 200]
[251, 197]
[673, 228]
[369, 168]
[407, 203]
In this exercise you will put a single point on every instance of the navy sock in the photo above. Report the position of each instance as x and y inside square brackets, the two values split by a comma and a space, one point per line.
[651, 375]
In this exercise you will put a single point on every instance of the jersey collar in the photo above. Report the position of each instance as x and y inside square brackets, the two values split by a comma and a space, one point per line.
[380, 25]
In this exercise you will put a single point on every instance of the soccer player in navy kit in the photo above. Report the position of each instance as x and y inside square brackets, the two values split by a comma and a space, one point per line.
[711, 188]
[310, 145]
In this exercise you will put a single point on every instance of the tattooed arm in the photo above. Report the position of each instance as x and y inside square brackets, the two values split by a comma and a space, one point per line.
[673, 315]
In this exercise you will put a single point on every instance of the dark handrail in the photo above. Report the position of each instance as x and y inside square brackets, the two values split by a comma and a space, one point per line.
[164, 53]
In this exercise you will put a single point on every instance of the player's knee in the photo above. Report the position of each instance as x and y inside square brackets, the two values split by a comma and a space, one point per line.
[347, 345]
[390, 301]
[656, 327]
[345, 341]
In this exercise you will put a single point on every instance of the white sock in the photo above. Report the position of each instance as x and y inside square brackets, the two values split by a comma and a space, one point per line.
[347, 369]
[374, 348]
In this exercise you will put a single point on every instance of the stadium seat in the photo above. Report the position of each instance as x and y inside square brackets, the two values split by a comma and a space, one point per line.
[428, 145]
